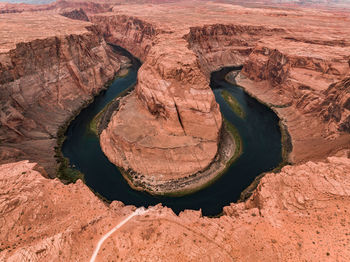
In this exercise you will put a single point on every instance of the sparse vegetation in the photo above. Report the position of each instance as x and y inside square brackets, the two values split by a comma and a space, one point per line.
[95, 122]
[68, 174]
[64, 172]
[238, 142]
[287, 147]
[233, 103]
[93, 127]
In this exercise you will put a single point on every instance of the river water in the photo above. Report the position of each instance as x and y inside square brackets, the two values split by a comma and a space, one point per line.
[259, 130]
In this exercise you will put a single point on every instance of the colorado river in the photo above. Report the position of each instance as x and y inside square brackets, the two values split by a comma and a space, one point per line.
[259, 131]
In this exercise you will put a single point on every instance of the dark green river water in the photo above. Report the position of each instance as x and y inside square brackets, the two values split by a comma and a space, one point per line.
[259, 130]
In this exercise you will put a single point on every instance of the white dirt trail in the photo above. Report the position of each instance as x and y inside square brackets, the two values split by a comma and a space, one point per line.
[137, 212]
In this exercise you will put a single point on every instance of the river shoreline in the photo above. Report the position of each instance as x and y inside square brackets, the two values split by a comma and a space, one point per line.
[64, 171]
[224, 179]
[286, 140]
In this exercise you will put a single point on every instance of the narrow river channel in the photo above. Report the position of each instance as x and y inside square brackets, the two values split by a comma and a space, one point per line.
[259, 131]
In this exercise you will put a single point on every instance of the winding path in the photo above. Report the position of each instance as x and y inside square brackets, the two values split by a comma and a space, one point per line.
[137, 212]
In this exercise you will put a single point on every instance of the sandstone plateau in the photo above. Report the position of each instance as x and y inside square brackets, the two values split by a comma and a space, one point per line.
[55, 58]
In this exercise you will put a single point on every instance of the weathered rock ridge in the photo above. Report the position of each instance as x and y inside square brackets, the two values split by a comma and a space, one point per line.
[301, 213]
[45, 76]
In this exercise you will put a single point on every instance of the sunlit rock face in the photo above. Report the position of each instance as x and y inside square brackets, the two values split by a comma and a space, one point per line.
[45, 76]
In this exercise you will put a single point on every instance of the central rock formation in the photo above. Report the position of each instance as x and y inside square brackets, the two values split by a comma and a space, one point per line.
[172, 116]
[169, 127]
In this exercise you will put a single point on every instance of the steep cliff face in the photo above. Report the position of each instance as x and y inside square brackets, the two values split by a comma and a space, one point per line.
[133, 34]
[287, 65]
[336, 109]
[288, 71]
[306, 82]
[222, 45]
[42, 83]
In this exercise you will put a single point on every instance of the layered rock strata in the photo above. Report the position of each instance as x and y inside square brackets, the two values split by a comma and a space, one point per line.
[308, 89]
[301, 213]
[45, 77]
[135, 35]
[172, 102]
[172, 117]
[298, 214]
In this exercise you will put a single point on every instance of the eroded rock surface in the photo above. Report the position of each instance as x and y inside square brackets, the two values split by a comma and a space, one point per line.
[295, 60]
[297, 77]
[301, 213]
[46, 74]
[285, 66]
[172, 102]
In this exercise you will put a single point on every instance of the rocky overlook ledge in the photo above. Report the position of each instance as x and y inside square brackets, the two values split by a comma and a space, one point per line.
[300, 213]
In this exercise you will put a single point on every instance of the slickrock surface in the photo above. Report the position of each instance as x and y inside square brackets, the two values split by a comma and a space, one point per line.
[301, 213]
[50, 66]
[44, 220]
[284, 65]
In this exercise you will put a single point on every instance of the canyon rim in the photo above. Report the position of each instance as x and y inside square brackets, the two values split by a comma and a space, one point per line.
[55, 58]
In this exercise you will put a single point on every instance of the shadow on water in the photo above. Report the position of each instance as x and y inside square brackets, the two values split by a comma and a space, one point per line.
[259, 130]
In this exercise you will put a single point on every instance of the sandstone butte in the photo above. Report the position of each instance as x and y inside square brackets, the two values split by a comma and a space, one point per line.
[295, 59]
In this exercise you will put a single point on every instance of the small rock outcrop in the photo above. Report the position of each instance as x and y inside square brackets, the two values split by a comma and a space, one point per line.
[76, 14]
